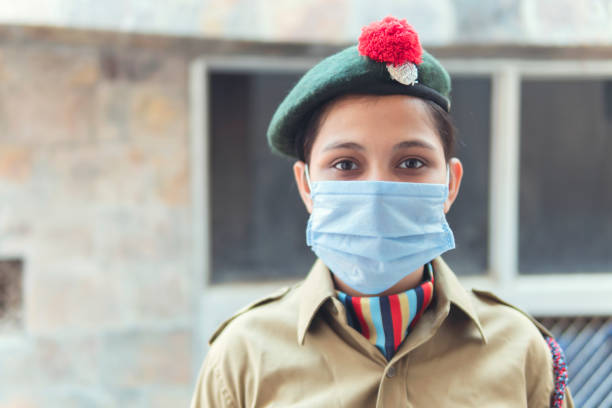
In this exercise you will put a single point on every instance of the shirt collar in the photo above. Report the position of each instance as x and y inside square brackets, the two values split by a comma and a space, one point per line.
[318, 287]
[448, 288]
[314, 292]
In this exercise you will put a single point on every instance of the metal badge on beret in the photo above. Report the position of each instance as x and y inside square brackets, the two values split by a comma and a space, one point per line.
[396, 43]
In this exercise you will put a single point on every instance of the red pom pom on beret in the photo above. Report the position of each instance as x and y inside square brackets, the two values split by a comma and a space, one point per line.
[392, 41]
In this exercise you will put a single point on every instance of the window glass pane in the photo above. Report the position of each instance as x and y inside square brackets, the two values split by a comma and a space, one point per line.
[468, 218]
[566, 176]
[258, 219]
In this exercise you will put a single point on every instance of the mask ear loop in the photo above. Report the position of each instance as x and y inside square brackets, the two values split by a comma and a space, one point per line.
[306, 171]
[447, 179]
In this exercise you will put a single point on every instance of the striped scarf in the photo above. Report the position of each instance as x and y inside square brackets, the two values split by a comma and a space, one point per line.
[386, 320]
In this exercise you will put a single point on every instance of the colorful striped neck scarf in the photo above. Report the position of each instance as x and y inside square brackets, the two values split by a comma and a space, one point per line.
[386, 320]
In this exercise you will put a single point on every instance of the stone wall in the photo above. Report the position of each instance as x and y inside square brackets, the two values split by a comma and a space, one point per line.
[95, 209]
[94, 198]
[441, 22]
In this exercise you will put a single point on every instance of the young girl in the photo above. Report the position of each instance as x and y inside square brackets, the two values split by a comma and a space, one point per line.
[381, 320]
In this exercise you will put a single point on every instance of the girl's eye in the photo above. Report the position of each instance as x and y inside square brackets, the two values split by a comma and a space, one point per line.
[345, 165]
[411, 164]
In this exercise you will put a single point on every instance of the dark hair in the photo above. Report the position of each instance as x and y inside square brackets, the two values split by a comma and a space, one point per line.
[441, 119]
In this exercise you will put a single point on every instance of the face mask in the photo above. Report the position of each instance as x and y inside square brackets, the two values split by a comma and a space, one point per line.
[371, 234]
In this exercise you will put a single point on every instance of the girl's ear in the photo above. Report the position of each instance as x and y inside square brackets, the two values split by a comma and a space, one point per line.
[299, 172]
[455, 174]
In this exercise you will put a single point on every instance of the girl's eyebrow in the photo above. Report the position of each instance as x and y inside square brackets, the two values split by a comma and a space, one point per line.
[414, 143]
[344, 145]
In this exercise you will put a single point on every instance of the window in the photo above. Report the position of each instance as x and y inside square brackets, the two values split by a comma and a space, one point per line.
[258, 219]
[537, 245]
[532, 222]
[565, 223]
[469, 216]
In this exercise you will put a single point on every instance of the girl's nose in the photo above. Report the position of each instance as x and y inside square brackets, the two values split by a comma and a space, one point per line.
[379, 173]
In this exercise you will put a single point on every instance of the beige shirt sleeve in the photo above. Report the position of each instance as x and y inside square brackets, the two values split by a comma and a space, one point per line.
[211, 390]
[539, 375]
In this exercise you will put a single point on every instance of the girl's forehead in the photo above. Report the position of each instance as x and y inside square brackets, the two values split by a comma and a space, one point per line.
[372, 119]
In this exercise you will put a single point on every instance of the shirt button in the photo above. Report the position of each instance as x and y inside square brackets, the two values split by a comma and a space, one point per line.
[391, 372]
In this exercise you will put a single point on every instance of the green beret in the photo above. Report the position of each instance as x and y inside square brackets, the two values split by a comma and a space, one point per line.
[389, 67]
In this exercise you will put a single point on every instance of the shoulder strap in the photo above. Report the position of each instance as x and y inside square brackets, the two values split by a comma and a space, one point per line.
[492, 296]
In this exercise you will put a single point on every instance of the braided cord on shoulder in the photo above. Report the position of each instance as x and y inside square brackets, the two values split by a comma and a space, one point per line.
[560, 373]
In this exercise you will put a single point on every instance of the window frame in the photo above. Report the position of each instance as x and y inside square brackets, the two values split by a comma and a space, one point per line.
[543, 295]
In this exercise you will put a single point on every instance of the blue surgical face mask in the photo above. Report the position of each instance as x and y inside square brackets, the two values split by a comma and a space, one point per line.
[371, 234]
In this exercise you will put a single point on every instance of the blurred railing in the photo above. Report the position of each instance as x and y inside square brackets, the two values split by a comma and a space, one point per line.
[587, 343]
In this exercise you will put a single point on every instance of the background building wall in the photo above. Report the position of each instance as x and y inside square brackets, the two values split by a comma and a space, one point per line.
[96, 209]
[94, 199]
[440, 22]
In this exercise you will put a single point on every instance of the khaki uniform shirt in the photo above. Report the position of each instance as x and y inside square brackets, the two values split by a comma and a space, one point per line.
[296, 349]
